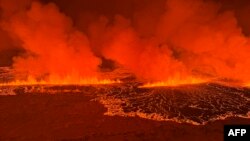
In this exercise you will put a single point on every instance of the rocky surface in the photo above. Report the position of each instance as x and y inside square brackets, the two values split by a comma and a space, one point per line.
[194, 104]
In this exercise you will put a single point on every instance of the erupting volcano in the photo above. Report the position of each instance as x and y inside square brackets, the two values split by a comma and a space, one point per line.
[179, 61]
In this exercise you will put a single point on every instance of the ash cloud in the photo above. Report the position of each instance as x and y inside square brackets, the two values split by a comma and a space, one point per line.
[156, 40]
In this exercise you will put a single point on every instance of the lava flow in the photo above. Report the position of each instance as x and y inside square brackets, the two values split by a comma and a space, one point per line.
[174, 83]
[93, 81]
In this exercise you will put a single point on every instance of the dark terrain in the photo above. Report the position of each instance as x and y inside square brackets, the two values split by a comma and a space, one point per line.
[120, 112]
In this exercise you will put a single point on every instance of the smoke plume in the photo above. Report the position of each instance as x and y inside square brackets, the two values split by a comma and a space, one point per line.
[156, 41]
[54, 48]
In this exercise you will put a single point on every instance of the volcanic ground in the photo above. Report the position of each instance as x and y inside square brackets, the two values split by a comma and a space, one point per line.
[195, 104]
[119, 111]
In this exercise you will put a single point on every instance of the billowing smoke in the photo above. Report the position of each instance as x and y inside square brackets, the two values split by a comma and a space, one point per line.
[157, 41]
[54, 48]
[190, 38]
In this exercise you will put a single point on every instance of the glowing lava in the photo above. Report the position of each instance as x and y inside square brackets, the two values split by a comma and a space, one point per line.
[247, 84]
[175, 82]
[32, 81]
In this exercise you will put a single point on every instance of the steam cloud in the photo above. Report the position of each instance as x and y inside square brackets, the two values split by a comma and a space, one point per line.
[170, 39]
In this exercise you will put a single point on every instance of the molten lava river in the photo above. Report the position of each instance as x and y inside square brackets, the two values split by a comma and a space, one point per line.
[195, 103]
